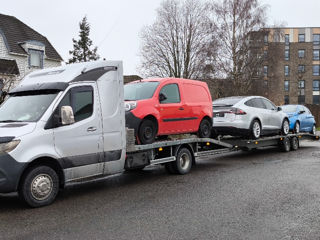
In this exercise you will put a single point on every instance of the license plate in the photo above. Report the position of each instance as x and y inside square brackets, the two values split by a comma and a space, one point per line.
[218, 114]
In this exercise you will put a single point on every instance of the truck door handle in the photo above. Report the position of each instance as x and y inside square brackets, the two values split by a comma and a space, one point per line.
[181, 108]
[91, 129]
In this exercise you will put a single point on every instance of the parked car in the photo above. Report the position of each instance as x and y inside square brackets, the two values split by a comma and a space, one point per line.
[301, 119]
[248, 116]
[167, 106]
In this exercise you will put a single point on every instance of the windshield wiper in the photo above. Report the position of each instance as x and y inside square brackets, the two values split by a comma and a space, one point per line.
[9, 121]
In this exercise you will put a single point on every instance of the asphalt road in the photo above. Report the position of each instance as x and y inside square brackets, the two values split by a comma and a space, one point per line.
[265, 194]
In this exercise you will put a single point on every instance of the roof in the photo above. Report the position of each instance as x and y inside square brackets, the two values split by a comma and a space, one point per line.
[16, 32]
[70, 72]
[8, 67]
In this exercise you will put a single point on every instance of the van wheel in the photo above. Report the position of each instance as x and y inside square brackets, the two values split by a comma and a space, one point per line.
[147, 131]
[39, 186]
[204, 129]
[285, 127]
[255, 129]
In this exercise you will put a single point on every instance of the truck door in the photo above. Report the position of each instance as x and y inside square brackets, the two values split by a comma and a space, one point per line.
[80, 144]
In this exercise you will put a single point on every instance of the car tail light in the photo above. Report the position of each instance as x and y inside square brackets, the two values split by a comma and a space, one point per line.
[238, 111]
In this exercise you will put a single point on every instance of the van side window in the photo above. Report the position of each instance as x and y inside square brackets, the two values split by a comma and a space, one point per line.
[81, 101]
[171, 91]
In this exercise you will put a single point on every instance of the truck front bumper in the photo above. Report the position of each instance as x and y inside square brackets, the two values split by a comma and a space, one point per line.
[10, 173]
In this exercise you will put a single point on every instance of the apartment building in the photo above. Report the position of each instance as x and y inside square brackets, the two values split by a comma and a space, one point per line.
[291, 65]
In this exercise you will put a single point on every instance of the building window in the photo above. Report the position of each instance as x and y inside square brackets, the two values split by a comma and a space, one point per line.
[286, 70]
[316, 91]
[301, 53]
[265, 71]
[265, 39]
[301, 38]
[315, 85]
[301, 97]
[265, 55]
[286, 99]
[35, 58]
[286, 86]
[301, 69]
[286, 39]
[315, 70]
[316, 54]
[286, 55]
[316, 39]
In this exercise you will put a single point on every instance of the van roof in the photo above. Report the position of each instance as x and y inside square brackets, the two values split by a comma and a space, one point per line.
[168, 79]
[88, 71]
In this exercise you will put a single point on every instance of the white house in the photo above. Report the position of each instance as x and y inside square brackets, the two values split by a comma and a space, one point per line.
[22, 50]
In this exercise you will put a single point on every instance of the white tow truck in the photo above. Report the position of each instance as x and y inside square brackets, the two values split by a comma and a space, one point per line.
[67, 124]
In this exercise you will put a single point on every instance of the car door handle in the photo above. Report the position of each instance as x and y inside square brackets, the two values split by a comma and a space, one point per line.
[91, 129]
[181, 108]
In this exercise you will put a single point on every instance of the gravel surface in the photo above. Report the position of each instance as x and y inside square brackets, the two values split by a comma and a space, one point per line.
[264, 194]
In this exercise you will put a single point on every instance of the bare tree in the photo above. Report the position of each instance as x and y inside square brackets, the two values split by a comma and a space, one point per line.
[233, 22]
[176, 44]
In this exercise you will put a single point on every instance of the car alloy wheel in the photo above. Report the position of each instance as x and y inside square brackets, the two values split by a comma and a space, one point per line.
[285, 127]
[297, 127]
[256, 129]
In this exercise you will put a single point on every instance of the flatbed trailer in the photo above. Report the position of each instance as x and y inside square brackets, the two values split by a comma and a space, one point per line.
[178, 155]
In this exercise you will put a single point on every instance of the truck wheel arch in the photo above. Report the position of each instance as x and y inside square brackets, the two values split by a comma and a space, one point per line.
[45, 161]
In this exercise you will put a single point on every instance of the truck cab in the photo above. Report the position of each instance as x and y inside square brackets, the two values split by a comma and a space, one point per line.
[62, 125]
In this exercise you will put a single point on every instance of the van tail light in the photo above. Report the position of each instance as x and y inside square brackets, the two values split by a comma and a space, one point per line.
[238, 111]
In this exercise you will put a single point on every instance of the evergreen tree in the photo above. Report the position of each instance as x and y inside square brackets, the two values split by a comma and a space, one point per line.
[82, 48]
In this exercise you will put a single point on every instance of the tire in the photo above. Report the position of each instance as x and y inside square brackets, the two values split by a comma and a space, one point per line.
[147, 132]
[255, 129]
[285, 127]
[294, 143]
[183, 162]
[205, 129]
[39, 186]
[285, 144]
[313, 131]
[296, 128]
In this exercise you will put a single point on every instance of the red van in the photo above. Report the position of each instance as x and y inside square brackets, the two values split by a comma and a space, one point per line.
[167, 106]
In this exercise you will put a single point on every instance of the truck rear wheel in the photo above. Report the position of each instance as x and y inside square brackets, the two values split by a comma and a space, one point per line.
[183, 162]
[39, 186]
[294, 143]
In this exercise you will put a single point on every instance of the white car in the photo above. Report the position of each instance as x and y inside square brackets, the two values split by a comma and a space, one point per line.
[248, 116]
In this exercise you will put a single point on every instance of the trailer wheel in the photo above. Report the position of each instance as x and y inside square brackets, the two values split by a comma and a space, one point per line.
[39, 186]
[285, 144]
[183, 162]
[294, 143]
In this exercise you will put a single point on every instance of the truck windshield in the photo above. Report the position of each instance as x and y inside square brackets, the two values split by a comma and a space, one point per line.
[139, 90]
[26, 107]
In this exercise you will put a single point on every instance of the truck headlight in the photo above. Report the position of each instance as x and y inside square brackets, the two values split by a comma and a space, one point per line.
[9, 146]
[130, 106]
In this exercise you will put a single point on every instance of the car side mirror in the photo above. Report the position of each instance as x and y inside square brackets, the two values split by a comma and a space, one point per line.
[67, 116]
[162, 97]
[302, 111]
[279, 109]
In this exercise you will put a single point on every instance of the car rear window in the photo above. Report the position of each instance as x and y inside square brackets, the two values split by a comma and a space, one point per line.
[139, 90]
[226, 102]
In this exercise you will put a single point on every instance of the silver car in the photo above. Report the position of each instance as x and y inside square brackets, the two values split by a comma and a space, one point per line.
[248, 116]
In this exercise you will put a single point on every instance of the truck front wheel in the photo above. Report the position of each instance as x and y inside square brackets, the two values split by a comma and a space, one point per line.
[39, 186]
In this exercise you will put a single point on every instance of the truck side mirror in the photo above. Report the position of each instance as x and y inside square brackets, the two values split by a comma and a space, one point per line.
[162, 97]
[67, 116]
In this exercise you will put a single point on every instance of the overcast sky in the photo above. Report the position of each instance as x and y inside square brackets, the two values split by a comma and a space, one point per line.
[116, 24]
